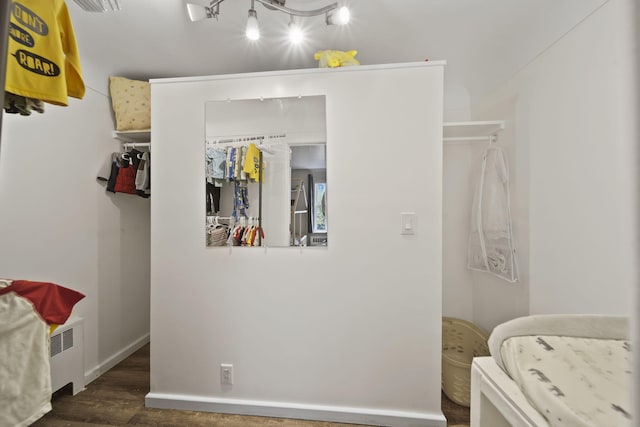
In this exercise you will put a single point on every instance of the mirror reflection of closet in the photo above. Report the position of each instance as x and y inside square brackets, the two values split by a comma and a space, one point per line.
[287, 205]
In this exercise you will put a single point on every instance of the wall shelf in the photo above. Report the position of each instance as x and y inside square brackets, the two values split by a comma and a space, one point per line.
[471, 131]
[136, 138]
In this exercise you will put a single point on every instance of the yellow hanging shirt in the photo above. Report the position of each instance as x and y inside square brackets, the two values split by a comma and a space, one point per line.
[42, 55]
[252, 163]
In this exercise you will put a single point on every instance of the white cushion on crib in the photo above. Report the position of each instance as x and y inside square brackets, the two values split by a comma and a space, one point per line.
[571, 381]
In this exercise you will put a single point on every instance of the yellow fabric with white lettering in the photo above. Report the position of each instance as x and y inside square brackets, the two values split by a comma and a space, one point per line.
[42, 55]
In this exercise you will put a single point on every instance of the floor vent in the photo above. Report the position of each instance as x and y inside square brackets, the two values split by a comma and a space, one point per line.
[61, 342]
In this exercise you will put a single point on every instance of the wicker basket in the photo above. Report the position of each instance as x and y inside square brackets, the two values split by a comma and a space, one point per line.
[461, 342]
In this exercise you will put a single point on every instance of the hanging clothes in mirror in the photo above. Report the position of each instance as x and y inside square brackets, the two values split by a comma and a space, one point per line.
[215, 174]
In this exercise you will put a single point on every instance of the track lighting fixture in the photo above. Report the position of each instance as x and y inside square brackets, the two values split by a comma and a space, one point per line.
[334, 15]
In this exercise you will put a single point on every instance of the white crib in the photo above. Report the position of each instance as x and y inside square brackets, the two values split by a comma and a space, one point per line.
[499, 401]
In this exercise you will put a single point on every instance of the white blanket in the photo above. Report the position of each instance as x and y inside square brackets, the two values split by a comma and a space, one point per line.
[25, 373]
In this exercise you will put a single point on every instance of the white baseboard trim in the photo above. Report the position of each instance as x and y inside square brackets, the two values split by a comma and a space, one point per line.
[116, 358]
[295, 410]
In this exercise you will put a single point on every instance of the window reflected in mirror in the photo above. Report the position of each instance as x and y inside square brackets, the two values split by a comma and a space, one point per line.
[318, 218]
[265, 172]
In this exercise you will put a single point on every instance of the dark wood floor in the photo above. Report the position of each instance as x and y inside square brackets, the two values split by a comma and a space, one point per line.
[117, 399]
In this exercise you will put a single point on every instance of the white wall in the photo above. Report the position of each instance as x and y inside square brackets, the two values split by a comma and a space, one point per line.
[302, 117]
[457, 282]
[635, 328]
[457, 103]
[571, 138]
[584, 260]
[58, 225]
[350, 332]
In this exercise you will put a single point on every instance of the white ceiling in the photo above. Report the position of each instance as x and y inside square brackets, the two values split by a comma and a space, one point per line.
[483, 41]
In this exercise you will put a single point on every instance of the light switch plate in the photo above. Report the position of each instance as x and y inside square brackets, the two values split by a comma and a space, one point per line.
[407, 223]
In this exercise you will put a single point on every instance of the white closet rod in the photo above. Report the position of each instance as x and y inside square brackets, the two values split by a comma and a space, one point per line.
[487, 130]
[224, 218]
[135, 144]
[470, 138]
[246, 138]
[230, 218]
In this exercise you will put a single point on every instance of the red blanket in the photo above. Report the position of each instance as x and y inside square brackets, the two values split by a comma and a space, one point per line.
[53, 302]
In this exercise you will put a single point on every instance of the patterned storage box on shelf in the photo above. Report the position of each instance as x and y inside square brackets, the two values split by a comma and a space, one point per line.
[461, 342]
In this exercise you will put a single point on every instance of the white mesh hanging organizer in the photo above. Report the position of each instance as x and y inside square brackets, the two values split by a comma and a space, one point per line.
[490, 246]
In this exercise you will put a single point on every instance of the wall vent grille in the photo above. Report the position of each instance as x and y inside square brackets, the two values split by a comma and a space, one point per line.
[67, 339]
[61, 342]
[56, 344]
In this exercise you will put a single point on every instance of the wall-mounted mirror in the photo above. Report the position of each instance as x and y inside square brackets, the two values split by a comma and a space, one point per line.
[265, 172]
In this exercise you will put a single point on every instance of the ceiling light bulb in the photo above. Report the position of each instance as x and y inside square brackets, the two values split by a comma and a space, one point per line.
[296, 35]
[344, 15]
[252, 32]
[339, 17]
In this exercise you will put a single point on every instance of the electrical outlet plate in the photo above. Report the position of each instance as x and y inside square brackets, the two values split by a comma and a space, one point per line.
[226, 374]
